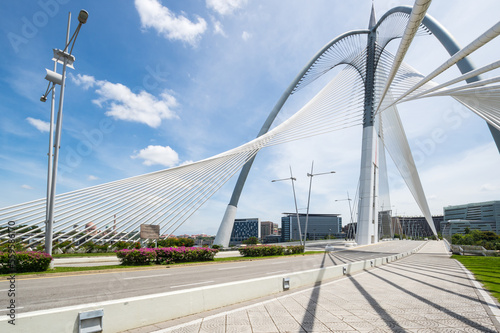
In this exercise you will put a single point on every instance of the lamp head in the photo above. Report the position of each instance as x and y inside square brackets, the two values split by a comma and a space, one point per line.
[83, 16]
[43, 99]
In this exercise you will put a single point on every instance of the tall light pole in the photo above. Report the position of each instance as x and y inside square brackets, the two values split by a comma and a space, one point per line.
[351, 225]
[295, 201]
[311, 175]
[66, 59]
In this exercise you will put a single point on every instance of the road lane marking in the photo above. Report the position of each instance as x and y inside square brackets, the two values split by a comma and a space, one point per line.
[223, 269]
[17, 308]
[191, 284]
[147, 276]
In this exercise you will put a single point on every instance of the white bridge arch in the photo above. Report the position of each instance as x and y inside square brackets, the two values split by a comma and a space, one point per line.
[169, 197]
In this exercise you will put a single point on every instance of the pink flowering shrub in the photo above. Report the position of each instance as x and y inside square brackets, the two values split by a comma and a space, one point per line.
[294, 249]
[165, 255]
[136, 256]
[269, 250]
[25, 261]
[169, 255]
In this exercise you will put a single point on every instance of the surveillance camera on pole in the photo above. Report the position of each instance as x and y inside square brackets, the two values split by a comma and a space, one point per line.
[66, 59]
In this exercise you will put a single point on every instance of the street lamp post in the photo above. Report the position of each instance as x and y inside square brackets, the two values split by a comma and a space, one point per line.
[311, 175]
[351, 225]
[295, 201]
[66, 58]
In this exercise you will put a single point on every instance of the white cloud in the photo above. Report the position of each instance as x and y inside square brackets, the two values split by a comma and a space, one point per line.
[457, 182]
[142, 107]
[27, 187]
[246, 35]
[186, 162]
[171, 26]
[487, 187]
[218, 28]
[152, 155]
[121, 103]
[224, 7]
[92, 177]
[86, 81]
[42, 126]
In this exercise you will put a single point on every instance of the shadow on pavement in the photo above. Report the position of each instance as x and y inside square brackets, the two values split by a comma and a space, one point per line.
[455, 315]
[309, 316]
[436, 287]
[432, 276]
[384, 315]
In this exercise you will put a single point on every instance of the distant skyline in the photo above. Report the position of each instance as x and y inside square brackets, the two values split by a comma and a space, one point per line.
[158, 84]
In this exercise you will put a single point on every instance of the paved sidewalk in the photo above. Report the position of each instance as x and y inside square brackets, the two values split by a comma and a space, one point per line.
[426, 292]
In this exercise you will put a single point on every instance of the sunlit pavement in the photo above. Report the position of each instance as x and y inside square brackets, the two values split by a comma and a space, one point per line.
[426, 292]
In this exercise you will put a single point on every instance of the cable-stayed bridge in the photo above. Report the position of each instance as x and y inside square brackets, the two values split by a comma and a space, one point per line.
[365, 93]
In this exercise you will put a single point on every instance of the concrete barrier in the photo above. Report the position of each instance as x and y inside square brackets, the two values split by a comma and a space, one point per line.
[133, 312]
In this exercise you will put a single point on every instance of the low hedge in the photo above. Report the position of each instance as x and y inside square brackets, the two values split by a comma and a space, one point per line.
[270, 250]
[136, 256]
[294, 249]
[24, 261]
[165, 255]
[169, 255]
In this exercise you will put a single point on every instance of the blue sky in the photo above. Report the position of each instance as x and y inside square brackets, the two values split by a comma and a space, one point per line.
[159, 83]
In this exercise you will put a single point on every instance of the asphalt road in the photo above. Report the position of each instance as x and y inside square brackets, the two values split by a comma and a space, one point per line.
[53, 292]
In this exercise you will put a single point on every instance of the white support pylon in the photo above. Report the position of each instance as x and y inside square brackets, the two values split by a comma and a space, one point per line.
[367, 228]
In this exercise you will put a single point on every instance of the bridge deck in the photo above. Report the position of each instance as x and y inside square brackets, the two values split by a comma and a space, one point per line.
[426, 292]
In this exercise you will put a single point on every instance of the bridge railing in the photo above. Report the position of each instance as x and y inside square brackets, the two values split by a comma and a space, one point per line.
[473, 250]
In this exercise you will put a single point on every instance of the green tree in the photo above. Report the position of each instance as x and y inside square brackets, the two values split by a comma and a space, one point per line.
[251, 241]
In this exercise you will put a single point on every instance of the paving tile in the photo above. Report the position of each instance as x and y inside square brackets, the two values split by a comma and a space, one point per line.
[238, 329]
[185, 329]
[213, 325]
[426, 292]
[264, 329]
[289, 327]
[450, 330]
[237, 318]
[362, 326]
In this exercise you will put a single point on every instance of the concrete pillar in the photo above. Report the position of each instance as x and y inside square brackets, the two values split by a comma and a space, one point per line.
[367, 230]
[226, 226]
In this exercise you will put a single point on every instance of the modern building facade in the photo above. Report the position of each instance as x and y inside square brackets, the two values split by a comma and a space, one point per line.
[319, 226]
[266, 229]
[483, 216]
[244, 229]
[415, 226]
[387, 227]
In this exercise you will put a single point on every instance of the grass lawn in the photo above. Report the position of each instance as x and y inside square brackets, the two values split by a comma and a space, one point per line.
[485, 269]
[109, 267]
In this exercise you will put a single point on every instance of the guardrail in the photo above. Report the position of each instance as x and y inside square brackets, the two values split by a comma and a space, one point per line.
[472, 250]
[133, 312]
